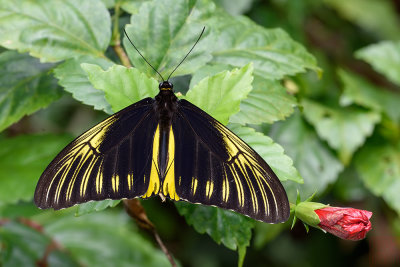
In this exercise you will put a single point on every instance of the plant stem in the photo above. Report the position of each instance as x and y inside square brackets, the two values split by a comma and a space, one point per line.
[116, 39]
[138, 213]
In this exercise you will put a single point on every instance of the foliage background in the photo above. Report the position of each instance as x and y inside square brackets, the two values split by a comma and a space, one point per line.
[319, 101]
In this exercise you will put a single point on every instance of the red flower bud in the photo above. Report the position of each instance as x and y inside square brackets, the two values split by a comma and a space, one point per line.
[346, 223]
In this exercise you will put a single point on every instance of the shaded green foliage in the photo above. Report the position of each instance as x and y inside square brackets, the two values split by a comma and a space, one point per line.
[335, 124]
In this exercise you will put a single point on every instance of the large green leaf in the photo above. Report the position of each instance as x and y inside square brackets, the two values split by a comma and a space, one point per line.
[22, 161]
[379, 169]
[53, 30]
[224, 226]
[164, 31]
[26, 246]
[122, 86]
[25, 87]
[345, 129]
[74, 80]
[220, 95]
[316, 163]
[271, 152]
[377, 16]
[267, 102]
[102, 239]
[384, 57]
[235, 7]
[272, 51]
[359, 91]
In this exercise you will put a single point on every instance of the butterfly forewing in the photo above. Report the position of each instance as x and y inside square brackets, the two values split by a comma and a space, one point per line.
[215, 167]
[110, 161]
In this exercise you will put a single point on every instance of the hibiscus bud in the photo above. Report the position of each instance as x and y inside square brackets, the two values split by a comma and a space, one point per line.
[346, 223]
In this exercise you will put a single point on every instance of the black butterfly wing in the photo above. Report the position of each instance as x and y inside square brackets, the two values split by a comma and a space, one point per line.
[215, 167]
[112, 160]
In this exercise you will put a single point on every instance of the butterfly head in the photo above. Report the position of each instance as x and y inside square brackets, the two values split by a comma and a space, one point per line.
[165, 86]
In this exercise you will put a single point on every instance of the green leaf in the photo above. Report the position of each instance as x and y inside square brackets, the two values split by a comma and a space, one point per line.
[25, 246]
[25, 87]
[15, 211]
[273, 53]
[345, 129]
[224, 226]
[379, 169]
[384, 57]
[54, 30]
[271, 152]
[132, 7]
[108, 3]
[359, 91]
[102, 239]
[220, 95]
[164, 31]
[74, 80]
[267, 102]
[122, 86]
[208, 70]
[22, 161]
[377, 16]
[93, 206]
[235, 7]
[316, 163]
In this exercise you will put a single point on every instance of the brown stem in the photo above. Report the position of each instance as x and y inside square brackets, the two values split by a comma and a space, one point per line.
[138, 213]
[53, 245]
[121, 54]
[116, 39]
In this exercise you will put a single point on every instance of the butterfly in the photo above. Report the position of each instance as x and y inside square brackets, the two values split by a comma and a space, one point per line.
[168, 147]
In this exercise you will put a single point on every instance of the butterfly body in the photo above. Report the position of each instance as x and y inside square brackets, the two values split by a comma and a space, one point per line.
[165, 106]
[168, 147]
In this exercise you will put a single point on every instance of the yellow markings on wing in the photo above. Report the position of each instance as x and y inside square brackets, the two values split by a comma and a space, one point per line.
[239, 186]
[96, 135]
[83, 148]
[83, 156]
[86, 176]
[225, 187]
[99, 179]
[193, 186]
[241, 162]
[115, 183]
[209, 188]
[169, 181]
[130, 181]
[154, 184]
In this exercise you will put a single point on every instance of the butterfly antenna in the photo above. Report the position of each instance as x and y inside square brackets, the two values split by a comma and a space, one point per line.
[143, 56]
[198, 39]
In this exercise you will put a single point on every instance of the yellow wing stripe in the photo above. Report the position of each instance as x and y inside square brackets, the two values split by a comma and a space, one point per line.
[84, 147]
[209, 188]
[130, 181]
[225, 186]
[193, 186]
[169, 182]
[154, 184]
[115, 183]
[243, 157]
[99, 179]
[86, 176]
[239, 186]
[84, 153]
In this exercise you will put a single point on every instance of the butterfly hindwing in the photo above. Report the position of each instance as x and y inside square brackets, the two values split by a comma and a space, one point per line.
[112, 160]
[215, 167]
